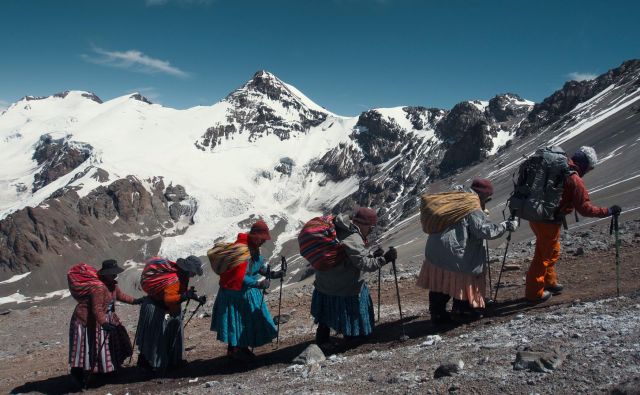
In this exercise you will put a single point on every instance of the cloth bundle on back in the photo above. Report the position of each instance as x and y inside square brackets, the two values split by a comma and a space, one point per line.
[158, 274]
[240, 317]
[82, 280]
[226, 256]
[455, 257]
[319, 243]
[160, 340]
[98, 342]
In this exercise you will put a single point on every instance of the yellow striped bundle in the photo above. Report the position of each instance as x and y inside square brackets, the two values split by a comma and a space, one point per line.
[224, 256]
[438, 211]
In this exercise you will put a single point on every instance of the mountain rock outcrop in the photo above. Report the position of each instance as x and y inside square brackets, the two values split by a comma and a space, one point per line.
[264, 105]
[121, 220]
[562, 101]
[57, 157]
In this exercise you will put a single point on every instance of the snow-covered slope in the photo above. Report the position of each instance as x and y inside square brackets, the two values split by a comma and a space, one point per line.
[246, 175]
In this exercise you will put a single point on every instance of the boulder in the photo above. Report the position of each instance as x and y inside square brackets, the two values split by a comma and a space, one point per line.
[543, 361]
[312, 354]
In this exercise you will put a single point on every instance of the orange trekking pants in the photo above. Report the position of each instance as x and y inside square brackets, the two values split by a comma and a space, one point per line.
[542, 271]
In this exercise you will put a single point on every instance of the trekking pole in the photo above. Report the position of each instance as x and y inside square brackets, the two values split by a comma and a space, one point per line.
[283, 268]
[95, 362]
[504, 259]
[133, 348]
[192, 314]
[264, 290]
[267, 276]
[181, 319]
[395, 276]
[379, 279]
[612, 228]
[488, 267]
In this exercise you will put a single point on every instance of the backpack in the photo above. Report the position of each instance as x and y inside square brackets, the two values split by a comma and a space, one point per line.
[82, 279]
[319, 243]
[158, 274]
[539, 186]
[225, 256]
[438, 211]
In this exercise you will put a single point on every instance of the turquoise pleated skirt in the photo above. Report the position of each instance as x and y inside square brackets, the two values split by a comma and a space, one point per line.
[349, 315]
[242, 319]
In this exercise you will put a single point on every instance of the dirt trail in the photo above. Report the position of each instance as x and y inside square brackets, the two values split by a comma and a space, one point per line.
[34, 341]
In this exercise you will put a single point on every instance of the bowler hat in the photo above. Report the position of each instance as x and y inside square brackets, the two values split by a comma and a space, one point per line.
[110, 266]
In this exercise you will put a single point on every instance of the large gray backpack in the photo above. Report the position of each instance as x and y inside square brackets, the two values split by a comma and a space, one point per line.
[539, 186]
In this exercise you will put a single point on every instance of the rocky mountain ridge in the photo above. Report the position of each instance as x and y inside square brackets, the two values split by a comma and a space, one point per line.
[307, 160]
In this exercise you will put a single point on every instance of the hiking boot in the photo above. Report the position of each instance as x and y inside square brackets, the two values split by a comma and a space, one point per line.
[78, 377]
[354, 341]
[554, 289]
[322, 334]
[248, 352]
[239, 354]
[441, 318]
[464, 309]
[546, 295]
[143, 363]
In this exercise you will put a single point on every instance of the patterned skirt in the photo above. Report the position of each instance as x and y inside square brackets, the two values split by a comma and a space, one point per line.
[349, 315]
[461, 286]
[160, 337]
[242, 319]
[93, 349]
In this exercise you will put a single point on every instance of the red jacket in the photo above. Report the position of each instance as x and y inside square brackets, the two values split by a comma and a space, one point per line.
[234, 277]
[575, 196]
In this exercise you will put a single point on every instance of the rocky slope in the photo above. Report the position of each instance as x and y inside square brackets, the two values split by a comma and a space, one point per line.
[123, 219]
[583, 341]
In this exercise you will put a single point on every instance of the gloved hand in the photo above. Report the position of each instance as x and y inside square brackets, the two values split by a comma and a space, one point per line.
[264, 284]
[107, 327]
[390, 255]
[190, 294]
[615, 210]
[511, 226]
[138, 300]
[378, 252]
[276, 274]
[202, 299]
[264, 270]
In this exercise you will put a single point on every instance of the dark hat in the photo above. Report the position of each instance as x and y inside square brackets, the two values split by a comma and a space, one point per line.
[110, 266]
[191, 264]
[483, 187]
[365, 216]
[260, 230]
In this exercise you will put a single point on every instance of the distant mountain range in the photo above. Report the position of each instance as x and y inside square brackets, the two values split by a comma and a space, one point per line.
[85, 179]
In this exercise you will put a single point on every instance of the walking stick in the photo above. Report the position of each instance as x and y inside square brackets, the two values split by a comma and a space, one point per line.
[612, 228]
[379, 279]
[267, 276]
[504, 259]
[395, 276]
[133, 349]
[95, 362]
[488, 267]
[192, 314]
[283, 268]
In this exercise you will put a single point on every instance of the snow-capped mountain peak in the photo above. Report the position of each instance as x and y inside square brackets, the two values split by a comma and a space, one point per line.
[263, 106]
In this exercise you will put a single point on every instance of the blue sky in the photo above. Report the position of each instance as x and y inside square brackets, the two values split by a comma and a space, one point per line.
[347, 55]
